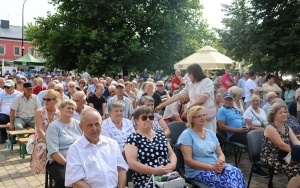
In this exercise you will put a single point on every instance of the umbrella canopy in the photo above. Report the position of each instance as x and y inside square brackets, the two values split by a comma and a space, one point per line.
[207, 57]
[28, 60]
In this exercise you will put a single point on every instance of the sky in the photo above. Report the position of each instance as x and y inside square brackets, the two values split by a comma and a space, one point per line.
[12, 10]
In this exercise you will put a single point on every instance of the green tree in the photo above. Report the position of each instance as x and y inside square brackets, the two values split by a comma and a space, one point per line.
[264, 33]
[110, 36]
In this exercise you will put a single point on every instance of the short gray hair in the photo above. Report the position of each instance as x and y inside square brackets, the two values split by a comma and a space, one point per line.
[270, 94]
[145, 98]
[115, 104]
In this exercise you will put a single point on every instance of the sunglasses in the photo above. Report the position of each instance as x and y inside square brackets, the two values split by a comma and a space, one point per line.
[159, 85]
[81, 83]
[6, 87]
[47, 99]
[144, 118]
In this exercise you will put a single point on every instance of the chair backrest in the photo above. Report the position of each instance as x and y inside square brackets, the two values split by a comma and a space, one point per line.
[176, 128]
[254, 139]
[180, 161]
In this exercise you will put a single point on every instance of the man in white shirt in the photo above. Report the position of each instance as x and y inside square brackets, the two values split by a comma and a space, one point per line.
[250, 85]
[95, 160]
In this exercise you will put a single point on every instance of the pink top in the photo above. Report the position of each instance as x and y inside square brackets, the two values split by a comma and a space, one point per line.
[46, 122]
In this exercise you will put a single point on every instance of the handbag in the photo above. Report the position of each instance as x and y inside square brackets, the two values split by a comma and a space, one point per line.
[178, 182]
[211, 113]
[30, 146]
[263, 124]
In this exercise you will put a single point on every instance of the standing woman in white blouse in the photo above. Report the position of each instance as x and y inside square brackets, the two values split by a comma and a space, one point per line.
[116, 126]
[200, 92]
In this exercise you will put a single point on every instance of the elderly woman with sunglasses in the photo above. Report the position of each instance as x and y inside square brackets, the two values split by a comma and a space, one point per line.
[203, 157]
[159, 124]
[60, 135]
[82, 85]
[116, 126]
[43, 117]
[148, 152]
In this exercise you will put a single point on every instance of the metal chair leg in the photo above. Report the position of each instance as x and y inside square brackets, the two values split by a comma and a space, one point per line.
[250, 176]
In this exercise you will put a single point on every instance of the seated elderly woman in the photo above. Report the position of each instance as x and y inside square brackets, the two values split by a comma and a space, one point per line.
[203, 156]
[116, 126]
[254, 116]
[148, 152]
[291, 121]
[238, 102]
[60, 135]
[279, 138]
[158, 125]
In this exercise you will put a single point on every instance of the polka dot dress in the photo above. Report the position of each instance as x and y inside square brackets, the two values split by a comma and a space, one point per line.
[148, 154]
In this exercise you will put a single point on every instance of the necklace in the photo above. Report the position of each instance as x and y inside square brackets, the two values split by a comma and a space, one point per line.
[202, 134]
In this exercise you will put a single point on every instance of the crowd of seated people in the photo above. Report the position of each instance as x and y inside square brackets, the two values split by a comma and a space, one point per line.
[83, 116]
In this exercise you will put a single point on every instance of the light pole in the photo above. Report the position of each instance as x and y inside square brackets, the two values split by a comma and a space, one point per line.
[23, 28]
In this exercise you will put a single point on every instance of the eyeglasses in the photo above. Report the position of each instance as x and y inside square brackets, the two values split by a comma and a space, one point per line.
[200, 116]
[58, 90]
[71, 86]
[7, 87]
[159, 85]
[81, 83]
[150, 117]
[47, 99]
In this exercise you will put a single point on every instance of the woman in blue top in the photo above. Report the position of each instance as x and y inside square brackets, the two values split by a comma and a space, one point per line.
[203, 157]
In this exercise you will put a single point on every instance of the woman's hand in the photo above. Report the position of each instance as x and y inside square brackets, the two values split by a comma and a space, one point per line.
[184, 113]
[161, 170]
[158, 108]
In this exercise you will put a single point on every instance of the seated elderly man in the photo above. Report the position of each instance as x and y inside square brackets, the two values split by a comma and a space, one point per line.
[94, 160]
[231, 121]
[79, 98]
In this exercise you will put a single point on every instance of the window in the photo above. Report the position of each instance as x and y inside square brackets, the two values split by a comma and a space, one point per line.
[17, 50]
[2, 49]
[31, 51]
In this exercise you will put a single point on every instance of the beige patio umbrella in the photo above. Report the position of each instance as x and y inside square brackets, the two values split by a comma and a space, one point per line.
[207, 57]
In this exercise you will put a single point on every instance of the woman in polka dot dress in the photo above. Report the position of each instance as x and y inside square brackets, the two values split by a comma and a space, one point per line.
[148, 152]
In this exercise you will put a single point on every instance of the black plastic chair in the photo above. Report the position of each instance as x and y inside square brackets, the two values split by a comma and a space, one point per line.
[180, 170]
[254, 139]
[237, 147]
[176, 128]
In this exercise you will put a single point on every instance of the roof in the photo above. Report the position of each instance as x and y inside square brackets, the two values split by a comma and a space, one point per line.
[13, 32]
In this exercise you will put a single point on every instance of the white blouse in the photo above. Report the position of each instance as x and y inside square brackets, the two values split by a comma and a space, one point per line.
[110, 130]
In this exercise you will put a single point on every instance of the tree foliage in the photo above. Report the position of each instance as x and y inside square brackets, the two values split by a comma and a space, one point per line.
[107, 36]
[263, 33]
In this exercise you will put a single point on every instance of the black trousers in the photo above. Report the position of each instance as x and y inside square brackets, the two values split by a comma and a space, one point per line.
[240, 138]
[57, 172]
[4, 119]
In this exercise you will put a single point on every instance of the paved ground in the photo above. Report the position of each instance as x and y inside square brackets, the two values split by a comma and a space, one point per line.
[15, 171]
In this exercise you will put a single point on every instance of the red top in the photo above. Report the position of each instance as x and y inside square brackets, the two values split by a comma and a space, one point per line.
[175, 80]
[38, 89]
[224, 79]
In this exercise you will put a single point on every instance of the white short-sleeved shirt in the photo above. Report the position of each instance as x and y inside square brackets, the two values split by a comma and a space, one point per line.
[110, 130]
[255, 122]
[25, 108]
[6, 100]
[171, 110]
[195, 90]
[249, 85]
[97, 165]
